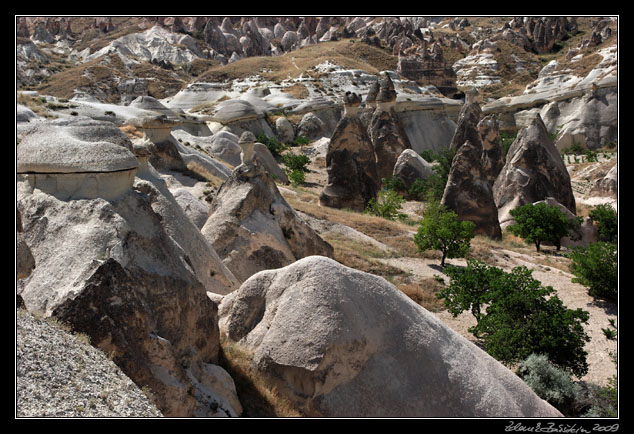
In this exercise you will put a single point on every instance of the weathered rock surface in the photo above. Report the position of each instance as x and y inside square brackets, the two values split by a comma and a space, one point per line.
[534, 170]
[467, 126]
[167, 153]
[352, 171]
[77, 159]
[253, 228]
[343, 343]
[410, 166]
[110, 270]
[469, 194]
[388, 138]
[59, 375]
[606, 186]
[492, 152]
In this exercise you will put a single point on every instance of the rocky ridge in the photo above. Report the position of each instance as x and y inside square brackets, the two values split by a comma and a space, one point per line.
[185, 143]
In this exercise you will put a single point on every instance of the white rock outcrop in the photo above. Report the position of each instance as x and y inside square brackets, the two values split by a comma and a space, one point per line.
[342, 343]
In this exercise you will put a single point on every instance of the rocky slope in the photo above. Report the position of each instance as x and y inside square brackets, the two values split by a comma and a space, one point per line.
[149, 224]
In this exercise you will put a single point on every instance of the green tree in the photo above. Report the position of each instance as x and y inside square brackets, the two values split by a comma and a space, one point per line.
[542, 223]
[440, 229]
[387, 204]
[521, 316]
[607, 221]
[596, 266]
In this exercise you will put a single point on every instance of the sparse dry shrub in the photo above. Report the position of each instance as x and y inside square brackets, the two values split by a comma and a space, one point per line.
[258, 395]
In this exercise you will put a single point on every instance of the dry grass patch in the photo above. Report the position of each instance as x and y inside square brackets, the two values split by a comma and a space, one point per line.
[423, 292]
[346, 53]
[258, 395]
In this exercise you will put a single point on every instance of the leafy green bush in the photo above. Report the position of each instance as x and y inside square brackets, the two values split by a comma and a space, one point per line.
[542, 223]
[301, 140]
[507, 140]
[440, 229]
[436, 182]
[607, 221]
[521, 316]
[387, 204]
[595, 266]
[297, 177]
[272, 143]
[295, 162]
[420, 188]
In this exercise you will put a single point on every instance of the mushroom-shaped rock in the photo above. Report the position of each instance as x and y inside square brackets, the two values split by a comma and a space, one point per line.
[339, 342]
[246, 142]
[71, 162]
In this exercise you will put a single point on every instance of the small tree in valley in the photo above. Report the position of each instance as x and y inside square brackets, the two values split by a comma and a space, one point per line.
[537, 223]
[596, 266]
[440, 229]
[521, 316]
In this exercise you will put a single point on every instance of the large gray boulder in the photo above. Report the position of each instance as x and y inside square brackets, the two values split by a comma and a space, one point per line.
[343, 343]
[252, 227]
[534, 170]
[469, 194]
[410, 166]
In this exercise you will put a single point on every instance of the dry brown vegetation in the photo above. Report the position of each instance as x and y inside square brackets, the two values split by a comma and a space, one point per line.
[258, 396]
[347, 53]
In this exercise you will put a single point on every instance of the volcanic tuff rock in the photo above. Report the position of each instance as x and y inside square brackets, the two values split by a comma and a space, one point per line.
[112, 266]
[534, 170]
[410, 166]
[492, 152]
[342, 343]
[77, 159]
[388, 138]
[58, 374]
[110, 270]
[253, 228]
[469, 194]
[352, 171]
[467, 126]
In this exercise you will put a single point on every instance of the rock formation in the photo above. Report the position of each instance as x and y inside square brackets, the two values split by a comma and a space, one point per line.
[469, 194]
[492, 152]
[352, 171]
[253, 228]
[467, 126]
[343, 343]
[534, 170]
[410, 166]
[124, 269]
[70, 159]
[606, 186]
[388, 139]
[168, 154]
